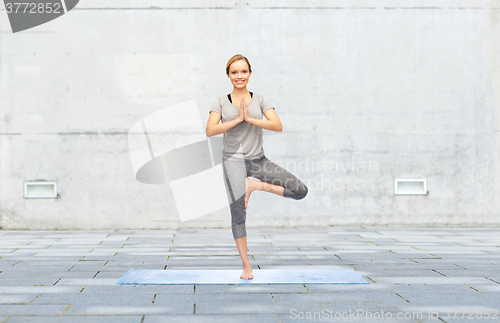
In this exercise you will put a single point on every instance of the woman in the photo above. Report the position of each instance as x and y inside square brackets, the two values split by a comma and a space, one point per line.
[243, 155]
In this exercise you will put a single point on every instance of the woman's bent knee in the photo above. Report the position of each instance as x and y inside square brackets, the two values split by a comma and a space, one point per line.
[302, 192]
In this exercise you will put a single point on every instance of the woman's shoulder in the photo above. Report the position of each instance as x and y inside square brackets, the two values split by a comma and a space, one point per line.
[259, 96]
[221, 99]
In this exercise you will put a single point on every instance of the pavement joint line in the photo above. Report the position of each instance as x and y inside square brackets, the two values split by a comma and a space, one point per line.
[370, 279]
[459, 266]
[82, 289]
[492, 280]
[439, 272]
[402, 297]
[473, 288]
[434, 256]
[34, 299]
[67, 308]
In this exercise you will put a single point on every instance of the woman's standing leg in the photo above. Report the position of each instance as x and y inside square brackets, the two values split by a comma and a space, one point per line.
[235, 173]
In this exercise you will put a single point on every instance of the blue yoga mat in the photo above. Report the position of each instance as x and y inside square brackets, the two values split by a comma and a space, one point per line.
[222, 277]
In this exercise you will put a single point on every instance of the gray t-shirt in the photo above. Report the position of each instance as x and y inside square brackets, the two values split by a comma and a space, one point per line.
[244, 141]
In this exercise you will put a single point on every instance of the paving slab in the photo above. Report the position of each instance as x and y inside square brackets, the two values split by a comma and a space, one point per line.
[77, 319]
[200, 318]
[41, 309]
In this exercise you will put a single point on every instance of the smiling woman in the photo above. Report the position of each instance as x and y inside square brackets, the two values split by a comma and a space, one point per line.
[243, 153]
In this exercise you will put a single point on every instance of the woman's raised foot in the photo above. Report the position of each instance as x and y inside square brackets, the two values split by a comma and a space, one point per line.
[250, 186]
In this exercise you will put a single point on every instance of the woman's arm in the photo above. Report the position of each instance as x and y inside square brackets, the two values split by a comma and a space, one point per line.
[214, 128]
[272, 123]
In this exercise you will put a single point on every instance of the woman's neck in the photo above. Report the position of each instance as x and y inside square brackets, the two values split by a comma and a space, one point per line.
[240, 92]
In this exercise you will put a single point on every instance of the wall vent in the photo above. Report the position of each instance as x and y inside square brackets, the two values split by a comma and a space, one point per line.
[40, 190]
[410, 186]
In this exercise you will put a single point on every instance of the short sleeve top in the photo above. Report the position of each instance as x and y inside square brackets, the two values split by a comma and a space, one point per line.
[243, 141]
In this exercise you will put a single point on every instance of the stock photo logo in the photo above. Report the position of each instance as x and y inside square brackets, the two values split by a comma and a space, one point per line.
[170, 147]
[28, 14]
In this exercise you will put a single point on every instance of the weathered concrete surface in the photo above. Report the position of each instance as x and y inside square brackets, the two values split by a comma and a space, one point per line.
[367, 91]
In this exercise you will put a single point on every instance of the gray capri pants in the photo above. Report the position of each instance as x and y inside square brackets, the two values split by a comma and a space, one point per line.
[235, 174]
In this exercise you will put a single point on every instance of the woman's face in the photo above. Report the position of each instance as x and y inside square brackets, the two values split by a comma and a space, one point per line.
[239, 74]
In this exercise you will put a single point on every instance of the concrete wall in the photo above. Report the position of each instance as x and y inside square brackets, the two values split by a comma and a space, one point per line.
[367, 91]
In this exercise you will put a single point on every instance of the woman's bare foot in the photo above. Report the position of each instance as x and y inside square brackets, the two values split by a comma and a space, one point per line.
[247, 273]
[250, 186]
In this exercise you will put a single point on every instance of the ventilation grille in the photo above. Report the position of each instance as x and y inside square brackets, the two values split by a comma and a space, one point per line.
[40, 190]
[410, 186]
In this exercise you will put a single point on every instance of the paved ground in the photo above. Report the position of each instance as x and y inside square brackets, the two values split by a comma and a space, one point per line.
[423, 274]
